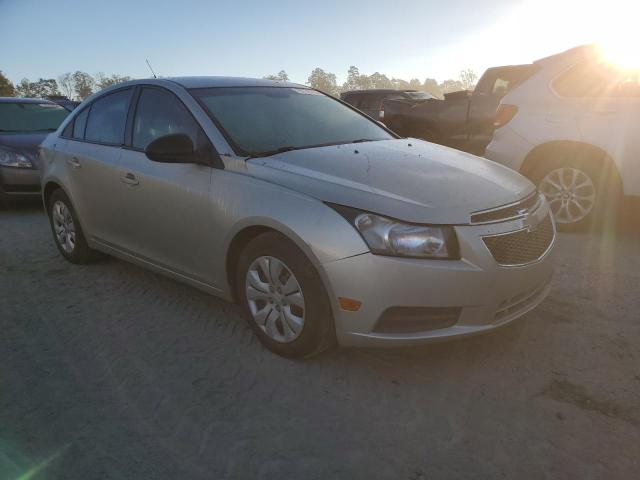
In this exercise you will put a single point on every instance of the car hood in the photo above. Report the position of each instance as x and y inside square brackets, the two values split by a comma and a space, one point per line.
[25, 143]
[408, 179]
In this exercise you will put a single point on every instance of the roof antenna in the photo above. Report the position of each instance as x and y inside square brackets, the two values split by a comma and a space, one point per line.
[149, 65]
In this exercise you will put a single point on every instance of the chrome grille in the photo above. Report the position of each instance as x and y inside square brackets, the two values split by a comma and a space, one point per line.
[523, 246]
[507, 212]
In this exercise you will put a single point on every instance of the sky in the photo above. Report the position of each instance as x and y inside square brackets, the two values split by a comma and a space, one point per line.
[402, 38]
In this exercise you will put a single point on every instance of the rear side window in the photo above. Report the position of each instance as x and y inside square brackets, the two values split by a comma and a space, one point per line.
[348, 99]
[500, 81]
[160, 113]
[79, 124]
[597, 80]
[68, 130]
[371, 101]
[107, 118]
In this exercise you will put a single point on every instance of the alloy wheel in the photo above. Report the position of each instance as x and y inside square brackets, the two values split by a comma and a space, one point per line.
[570, 192]
[63, 226]
[275, 299]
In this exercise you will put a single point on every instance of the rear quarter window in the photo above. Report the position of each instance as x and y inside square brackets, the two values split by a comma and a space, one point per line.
[597, 80]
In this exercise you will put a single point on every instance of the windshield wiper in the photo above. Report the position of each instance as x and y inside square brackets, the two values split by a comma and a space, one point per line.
[288, 148]
[268, 153]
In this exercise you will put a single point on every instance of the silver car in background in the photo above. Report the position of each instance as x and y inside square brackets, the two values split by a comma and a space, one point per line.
[321, 223]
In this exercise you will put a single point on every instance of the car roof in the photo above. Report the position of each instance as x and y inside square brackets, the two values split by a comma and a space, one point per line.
[587, 51]
[24, 100]
[211, 82]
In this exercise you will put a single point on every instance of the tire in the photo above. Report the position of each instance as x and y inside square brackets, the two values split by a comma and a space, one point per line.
[271, 251]
[582, 187]
[63, 216]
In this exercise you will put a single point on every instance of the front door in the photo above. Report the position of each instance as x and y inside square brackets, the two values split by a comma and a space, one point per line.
[166, 216]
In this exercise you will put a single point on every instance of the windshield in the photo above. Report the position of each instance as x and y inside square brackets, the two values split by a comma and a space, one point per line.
[265, 120]
[419, 95]
[17, 117]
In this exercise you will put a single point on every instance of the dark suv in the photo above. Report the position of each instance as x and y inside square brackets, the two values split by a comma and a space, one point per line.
[370, 101]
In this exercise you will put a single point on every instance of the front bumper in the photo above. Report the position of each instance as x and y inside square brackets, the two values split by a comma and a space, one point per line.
[19, 181]
[485, 294]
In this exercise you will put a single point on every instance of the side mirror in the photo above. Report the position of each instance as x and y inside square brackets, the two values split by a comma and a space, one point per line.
[172, 148]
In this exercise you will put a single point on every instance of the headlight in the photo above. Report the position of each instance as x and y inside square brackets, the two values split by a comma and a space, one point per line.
[385, 236]
[10, 158]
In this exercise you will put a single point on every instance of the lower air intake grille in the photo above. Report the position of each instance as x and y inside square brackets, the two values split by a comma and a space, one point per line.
[416, 319]
[523, 246]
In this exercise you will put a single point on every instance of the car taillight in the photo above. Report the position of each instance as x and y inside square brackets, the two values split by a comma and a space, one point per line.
[381, 114]
[504, 114]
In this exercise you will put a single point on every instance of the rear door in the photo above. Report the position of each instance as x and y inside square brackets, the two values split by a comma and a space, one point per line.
[91, 155]
[166, 215]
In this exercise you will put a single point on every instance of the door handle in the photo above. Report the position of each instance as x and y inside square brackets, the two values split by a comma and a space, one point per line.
[74, 162]
[130, 179]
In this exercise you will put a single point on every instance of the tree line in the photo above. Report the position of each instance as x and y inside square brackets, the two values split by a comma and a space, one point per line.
[79, 85]
[326, 82]
[76, 86]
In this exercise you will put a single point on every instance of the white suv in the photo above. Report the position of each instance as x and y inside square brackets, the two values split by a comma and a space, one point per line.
[573, 128]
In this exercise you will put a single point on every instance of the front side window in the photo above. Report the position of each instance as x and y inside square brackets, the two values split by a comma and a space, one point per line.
[107, 118]
[23, 117]
[262, 120]
[160, 113]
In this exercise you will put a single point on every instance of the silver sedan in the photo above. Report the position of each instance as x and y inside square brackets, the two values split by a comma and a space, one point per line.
[324, 225]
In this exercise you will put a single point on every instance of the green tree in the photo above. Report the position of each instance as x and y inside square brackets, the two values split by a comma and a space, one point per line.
[431, 86]
[24, 88]
[415, 84]
[449, 86]
[281, 76]
[44, 87]
[379, 80]
[356, 81]
[83, 84]
[323, 81]
[6, 87]
[102, 81]
[399, 84]
[65, 83]
[468, 79]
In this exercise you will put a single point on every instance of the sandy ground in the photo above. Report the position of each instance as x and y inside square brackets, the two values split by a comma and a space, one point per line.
[111, 372]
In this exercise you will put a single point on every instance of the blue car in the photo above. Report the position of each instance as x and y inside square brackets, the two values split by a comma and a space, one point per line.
[24, 124]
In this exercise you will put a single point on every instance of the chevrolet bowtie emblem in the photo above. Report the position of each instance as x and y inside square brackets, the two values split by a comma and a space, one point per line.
[530, 224]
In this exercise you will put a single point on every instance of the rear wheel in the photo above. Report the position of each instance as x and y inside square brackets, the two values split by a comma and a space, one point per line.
[66, 229]
[582, 188]
[283, 297]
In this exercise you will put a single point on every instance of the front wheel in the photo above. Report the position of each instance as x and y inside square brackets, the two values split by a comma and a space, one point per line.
[66, 229]
[582, 189]
[283, 297]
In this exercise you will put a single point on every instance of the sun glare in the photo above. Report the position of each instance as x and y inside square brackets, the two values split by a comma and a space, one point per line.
[623, 54]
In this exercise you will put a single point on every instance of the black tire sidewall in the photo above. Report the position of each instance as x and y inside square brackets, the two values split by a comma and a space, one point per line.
[318, 330]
